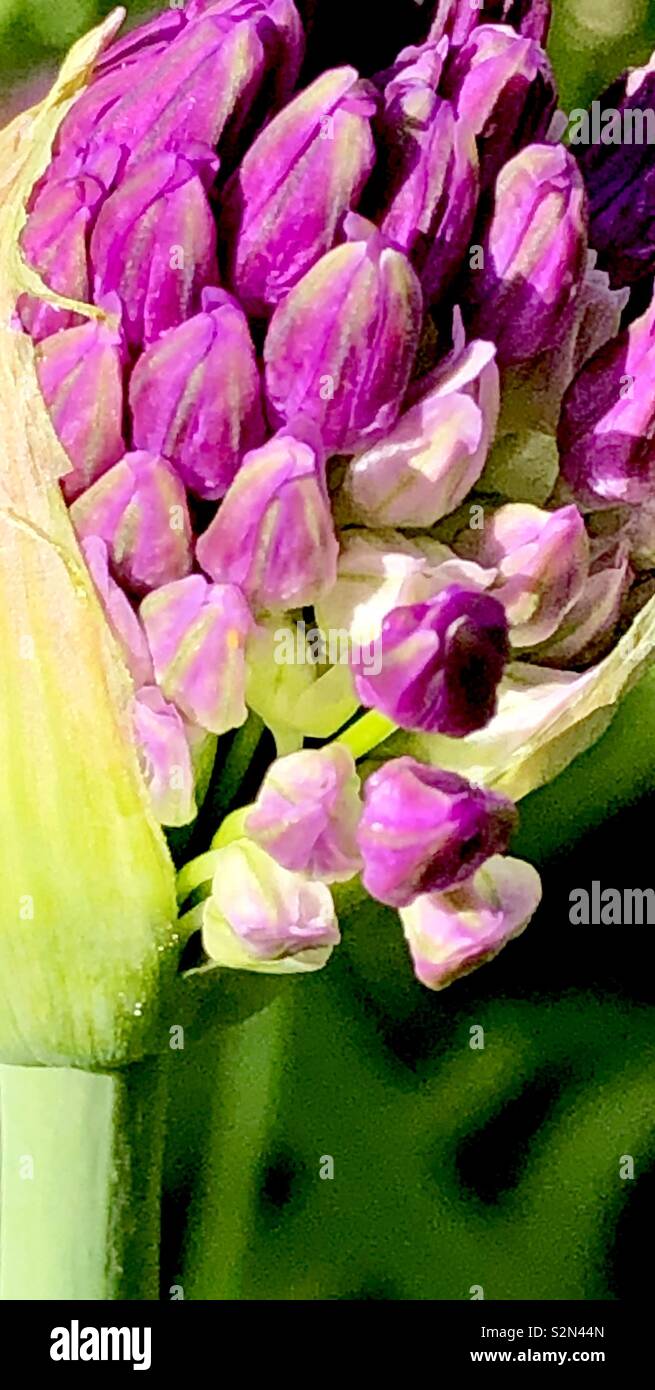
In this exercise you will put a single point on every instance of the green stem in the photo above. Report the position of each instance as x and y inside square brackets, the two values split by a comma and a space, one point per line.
[237, 762]
[366, 733]
[81, 1182]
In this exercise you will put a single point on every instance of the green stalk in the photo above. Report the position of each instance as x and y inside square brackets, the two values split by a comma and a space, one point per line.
[81, 1182]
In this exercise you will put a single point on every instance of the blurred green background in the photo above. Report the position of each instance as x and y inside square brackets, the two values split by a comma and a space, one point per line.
[453, 1167]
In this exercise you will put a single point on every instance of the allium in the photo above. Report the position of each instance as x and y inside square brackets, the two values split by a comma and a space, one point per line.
[424, 829]
[328, 472]
[307, 812]
[607, 424]
[533, 254]
[441, 663]
[195, 395]
[274, 535]
[340, 348]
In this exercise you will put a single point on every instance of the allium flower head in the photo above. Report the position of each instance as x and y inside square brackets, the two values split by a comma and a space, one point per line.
[323, 390]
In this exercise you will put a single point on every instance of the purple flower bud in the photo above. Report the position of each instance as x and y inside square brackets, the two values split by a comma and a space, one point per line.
[586, 632]
[542, 562]
[433, 165]
[197, 633]
[341, 346]
[619, 173]
[154, 243]
[503, 86]
[81, 376]
[273, 534]
[286, 201]
[307, 812]
[262, 917]
[119, 612]
[534, 254]
[605, 438]
[195, 396]
[378, 571]
[139, 509]
[441, 663]
[450, 934]
[198, 85]
[458, 18]
[165, 757]
[430, 461]
[425, 829]
[152, 37]
[54, 242]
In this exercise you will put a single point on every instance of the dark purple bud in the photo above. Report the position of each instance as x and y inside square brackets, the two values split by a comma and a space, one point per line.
[285, 203]
[433, 167]
[81, 376]
[534, 255]
[424, 829]
[607, 426]
[441, 663]
[154, 243]
[503, 86]
[340, 348]
[195, 396]
[618, 168]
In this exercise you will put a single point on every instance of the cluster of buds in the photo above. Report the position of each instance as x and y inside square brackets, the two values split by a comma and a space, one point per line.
[318, 303]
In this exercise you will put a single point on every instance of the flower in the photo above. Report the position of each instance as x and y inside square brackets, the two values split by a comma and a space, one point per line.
[449, 934]
[195, 395]
[307, 811]
[283, 207]
[197, 634]
[274, 534]
[533, 254]
[259, 916]
[340, 346]
[139, 509]
[424, 829]
[81, 376]
[441, 663]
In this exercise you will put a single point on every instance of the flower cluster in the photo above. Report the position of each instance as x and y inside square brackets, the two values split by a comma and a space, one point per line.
[351, 353]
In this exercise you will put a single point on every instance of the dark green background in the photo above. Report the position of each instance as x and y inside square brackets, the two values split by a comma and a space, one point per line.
[452, 1167]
